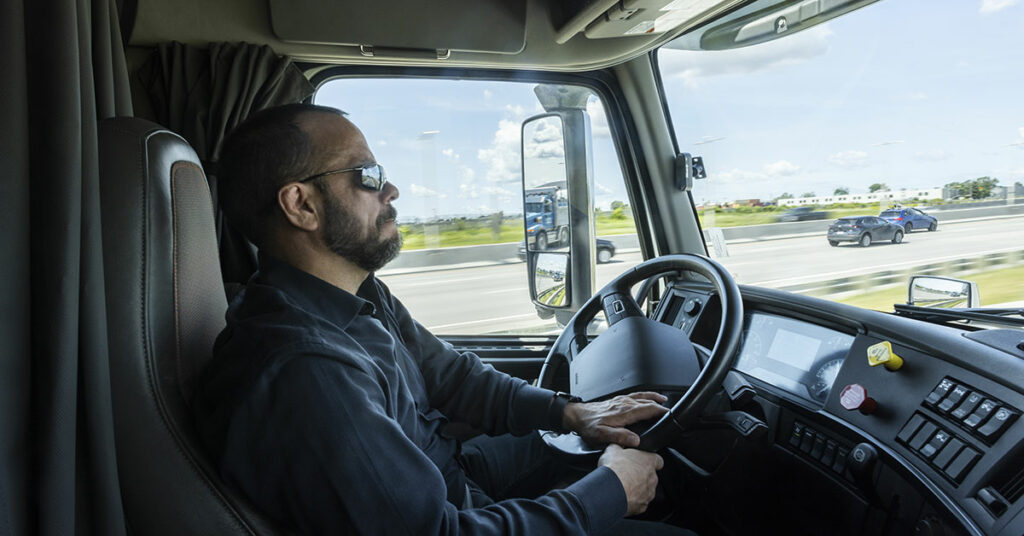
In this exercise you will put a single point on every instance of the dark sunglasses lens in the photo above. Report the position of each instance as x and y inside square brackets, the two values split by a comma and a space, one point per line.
[373, 177]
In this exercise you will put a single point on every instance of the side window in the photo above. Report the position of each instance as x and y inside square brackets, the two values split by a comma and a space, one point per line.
[452, 147]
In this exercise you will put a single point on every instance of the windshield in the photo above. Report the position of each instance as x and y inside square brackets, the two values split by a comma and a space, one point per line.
[868, 115]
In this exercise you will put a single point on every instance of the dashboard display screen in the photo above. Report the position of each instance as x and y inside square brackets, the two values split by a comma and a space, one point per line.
[793, 355]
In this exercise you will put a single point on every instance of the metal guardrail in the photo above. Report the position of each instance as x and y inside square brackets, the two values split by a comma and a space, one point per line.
[958, 267]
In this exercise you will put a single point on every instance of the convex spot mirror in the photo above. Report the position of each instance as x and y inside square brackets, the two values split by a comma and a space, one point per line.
[550, 281]
[944, 292]
[546, 210]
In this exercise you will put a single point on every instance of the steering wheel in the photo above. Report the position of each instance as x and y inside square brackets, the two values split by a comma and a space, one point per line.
[638, 353]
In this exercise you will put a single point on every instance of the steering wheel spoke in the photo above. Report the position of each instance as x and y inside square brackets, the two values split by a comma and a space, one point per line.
[618, 306]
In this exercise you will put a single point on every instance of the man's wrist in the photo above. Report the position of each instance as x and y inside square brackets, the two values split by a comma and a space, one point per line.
[557, 410]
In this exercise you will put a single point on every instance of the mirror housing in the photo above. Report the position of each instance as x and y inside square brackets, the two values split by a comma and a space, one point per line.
[558, 182]
[944, 292]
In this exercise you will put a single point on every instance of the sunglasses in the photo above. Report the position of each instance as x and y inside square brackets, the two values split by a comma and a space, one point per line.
[371, 176]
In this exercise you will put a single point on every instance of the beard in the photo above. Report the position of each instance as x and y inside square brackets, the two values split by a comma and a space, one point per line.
[369, 252]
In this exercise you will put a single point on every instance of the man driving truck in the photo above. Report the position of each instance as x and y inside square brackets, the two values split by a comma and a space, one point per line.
[326, 401]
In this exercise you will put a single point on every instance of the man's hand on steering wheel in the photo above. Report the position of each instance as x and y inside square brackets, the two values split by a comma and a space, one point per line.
[604, 422]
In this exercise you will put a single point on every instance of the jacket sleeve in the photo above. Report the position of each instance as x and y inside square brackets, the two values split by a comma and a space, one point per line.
[467, 390]
[319, 449]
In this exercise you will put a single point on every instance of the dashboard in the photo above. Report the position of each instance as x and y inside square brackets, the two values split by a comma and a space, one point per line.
[939, 449]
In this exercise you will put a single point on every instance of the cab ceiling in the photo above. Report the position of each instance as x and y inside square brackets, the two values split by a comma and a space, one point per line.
[518, 34]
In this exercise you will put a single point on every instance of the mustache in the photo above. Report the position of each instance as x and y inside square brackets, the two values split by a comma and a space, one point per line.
[390, 213]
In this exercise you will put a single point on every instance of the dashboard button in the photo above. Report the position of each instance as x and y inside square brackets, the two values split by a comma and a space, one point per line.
[819, 447]
[947, 453]
[995, 426]
[807, 442]
[967, 406]
[938, 441]
[855, 397]
[794, 438]
[984, 410]
[839, 465]
[829, 455]
[962, 464]
[923, 435]
[953, 398]
[910, 428]
[939, 392]
[882, 354]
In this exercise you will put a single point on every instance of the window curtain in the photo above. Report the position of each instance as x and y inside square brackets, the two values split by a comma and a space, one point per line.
[63, 69]
[202, 93]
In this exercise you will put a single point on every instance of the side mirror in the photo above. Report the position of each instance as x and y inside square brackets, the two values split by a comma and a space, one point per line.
[546, 212]
[945, 292]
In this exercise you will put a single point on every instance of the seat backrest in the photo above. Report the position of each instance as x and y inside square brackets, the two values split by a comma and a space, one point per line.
[165, 306]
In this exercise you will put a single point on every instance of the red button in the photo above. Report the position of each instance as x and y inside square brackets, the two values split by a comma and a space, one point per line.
[855, 397]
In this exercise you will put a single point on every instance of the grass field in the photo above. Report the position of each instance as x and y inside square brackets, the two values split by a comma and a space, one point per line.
[995, 286]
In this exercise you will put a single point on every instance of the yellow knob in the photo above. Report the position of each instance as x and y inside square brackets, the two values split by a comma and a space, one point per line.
[882, 354]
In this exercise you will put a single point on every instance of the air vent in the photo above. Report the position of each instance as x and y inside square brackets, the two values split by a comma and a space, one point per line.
[1008, 484]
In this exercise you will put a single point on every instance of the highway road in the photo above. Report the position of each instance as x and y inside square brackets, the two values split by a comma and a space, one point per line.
[494, 298]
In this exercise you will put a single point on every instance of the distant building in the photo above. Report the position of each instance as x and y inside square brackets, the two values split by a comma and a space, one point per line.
[747, 203]
[902, 194]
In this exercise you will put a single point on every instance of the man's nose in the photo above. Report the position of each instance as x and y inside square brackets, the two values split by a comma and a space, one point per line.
[390, 192]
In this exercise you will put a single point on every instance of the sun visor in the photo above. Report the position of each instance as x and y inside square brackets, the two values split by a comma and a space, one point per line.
[438, 26]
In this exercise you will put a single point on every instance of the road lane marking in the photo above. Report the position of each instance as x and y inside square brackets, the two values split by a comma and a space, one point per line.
[471, 322]
[502, 290]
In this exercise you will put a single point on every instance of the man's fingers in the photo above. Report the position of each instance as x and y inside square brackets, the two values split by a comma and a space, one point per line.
[649, 395]
[638, 412]
[659, 462]
[619, 436]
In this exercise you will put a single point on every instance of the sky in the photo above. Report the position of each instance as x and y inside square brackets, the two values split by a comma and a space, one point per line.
[910, 93]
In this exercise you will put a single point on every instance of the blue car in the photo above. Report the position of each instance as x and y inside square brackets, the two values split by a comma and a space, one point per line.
[910, 218]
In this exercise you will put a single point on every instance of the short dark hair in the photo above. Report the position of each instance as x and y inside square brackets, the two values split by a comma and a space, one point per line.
[261, 155]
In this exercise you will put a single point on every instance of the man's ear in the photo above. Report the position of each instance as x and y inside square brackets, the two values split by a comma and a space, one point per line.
[299, 206]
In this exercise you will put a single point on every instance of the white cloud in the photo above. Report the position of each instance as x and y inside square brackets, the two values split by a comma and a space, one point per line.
[468, 190]
[708, 139]
[919, 95]
[502, 157]
[933, 155]
[602, 189]
[849, 159]
[598, 120]
[992, 6]
[546, 140]
[423, 191]
[693, 66]
[382, 143]
[450, 153]
[467, 173]
[736, 176]
[488, 93]
[1021, 130]
[781, 168]
[883, 143]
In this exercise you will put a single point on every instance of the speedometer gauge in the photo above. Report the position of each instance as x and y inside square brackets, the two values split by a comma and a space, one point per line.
[824, 377]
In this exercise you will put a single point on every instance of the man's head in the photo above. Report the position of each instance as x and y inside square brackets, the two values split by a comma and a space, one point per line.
[293, 176]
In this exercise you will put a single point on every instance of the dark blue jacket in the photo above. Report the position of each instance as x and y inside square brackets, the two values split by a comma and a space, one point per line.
[326, 410]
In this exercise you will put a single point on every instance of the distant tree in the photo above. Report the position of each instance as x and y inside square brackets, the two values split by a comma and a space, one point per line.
[878, 186]
[983, 186]
[842, 190]
[808, 194]
[978, 188]
[617, 204]
[619, 213]
[785, 195]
